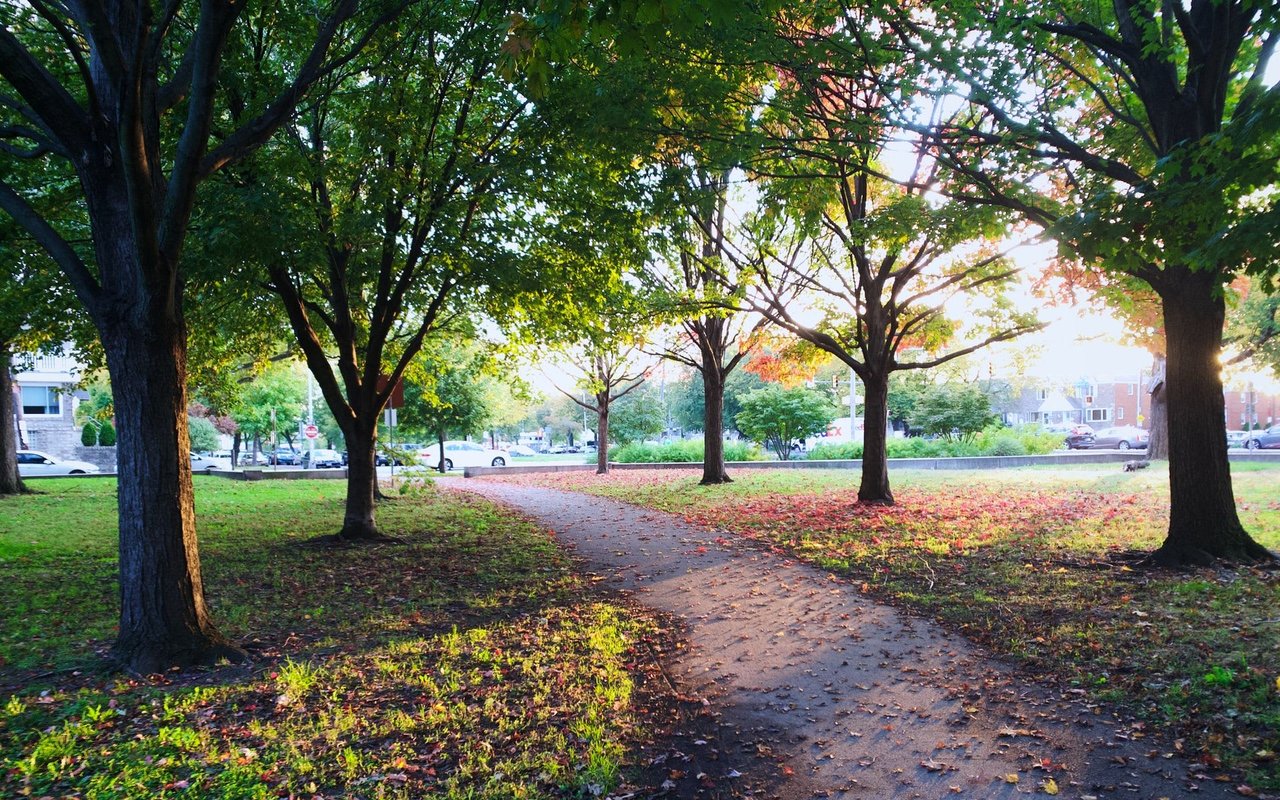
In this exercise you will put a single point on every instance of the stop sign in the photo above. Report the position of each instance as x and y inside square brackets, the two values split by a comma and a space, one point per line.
[311, 431]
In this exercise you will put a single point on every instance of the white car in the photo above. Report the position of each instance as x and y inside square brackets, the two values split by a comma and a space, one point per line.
[33, 464]
[203, 463]
[462, 454]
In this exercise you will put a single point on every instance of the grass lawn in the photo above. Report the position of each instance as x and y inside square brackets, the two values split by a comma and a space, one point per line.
[1038, 564]
[470, 661]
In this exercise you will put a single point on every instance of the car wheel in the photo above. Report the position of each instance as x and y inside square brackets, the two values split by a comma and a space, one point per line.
[499, 462]
[448, 465]
[1253, 444]
[1124, 445]
[76, 472]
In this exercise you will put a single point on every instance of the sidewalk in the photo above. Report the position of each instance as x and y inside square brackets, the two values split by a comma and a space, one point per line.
[849, 698]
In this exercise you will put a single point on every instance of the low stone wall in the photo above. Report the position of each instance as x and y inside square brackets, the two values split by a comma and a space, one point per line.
[974, 462]
[103, 457]
[253, 474]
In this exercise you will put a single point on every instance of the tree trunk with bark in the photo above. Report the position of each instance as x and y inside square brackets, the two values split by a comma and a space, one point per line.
[10, 480]
[602, 433]
[163, 617]
[1158, 424]
[875, 454]
[358, 522]
[440, 443]
[1203, 523]
[713, 467]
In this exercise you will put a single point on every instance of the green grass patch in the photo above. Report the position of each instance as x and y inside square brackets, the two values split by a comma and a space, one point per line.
[469, 662]
[1037, 564]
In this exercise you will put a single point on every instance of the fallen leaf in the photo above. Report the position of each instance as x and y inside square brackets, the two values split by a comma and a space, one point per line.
[1050, 786]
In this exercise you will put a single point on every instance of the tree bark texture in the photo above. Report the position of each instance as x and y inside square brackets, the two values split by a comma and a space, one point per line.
[1203, 523]
[163, 617]
[875, 455]
[358, 522]
[10, 480]
[713, 467]
[1158, 424]
[602, 433]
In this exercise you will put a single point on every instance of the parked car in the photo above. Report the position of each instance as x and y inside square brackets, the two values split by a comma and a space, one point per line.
[463, 454]
[284, 456]
[201, 462]
[1237, 438]
[1264, 440]
[520, 451]
[321, 459]
[33, 464]
[1079, 436]
[1123, 437]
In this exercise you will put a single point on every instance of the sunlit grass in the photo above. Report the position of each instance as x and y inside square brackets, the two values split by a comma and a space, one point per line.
[468, 662]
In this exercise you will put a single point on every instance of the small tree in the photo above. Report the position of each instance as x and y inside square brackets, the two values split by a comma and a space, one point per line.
[636, 416]
[204, 436]
[950, 409]
[777, 418]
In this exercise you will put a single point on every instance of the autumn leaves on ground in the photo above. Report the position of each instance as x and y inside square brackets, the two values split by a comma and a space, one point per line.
[471, 661]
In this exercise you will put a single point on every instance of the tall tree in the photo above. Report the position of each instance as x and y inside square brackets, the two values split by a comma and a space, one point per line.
[700, 287]
[132, 98]
[882, 259]
[607, 363]
[1159, 133]
[407, 168]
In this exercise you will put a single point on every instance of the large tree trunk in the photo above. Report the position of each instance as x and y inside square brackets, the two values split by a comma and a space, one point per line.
[875, 454]
[602, 434]
[713, 468]
[358, 523]
[10, 481]
[1203, 524]
[1158, 424]
[163, 618]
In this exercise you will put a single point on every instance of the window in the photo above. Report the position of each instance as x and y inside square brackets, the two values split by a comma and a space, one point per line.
[41, 400]
[1098, 415]
[1120, 413]
[1131, 388]
[1044, 394]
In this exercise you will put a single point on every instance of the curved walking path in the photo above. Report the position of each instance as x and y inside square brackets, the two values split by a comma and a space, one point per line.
[843, 696]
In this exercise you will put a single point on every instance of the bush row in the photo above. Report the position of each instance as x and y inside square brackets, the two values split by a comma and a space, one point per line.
[1030, 440]
[686, 451]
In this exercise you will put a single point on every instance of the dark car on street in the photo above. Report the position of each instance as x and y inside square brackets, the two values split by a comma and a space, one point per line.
[1264, 440]
[1079, 436]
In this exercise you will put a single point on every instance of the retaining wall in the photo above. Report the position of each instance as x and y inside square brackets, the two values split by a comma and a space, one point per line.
[972, 462]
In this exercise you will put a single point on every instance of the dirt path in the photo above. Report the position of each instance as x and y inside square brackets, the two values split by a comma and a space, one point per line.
[822, 692]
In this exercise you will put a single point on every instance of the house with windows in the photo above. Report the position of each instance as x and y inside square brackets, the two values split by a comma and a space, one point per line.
[1098, 403]
[46, 404]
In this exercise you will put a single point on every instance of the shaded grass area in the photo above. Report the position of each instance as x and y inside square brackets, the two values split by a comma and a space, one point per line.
[1038, 564]
[470, 661]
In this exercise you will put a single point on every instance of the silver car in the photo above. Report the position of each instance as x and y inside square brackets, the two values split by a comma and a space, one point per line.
[33, 464]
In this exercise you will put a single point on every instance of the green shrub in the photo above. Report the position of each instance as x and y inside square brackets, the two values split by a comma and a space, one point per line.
[830, 451]
[993, 441]
[89, 435]
[685, 451]
[107, 435]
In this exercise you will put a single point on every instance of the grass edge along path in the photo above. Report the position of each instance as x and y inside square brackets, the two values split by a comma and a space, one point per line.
[1036, 565]
[471, 661]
